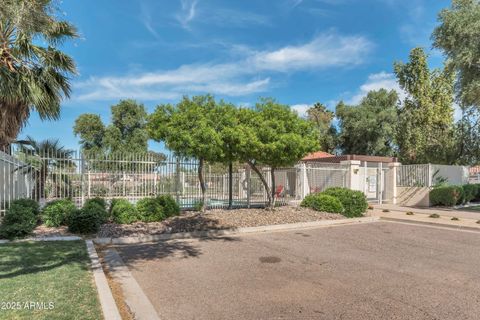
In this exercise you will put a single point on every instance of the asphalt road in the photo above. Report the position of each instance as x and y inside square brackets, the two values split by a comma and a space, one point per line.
[378, 270]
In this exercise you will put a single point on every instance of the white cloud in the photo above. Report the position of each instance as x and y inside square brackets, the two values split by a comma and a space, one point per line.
[377, 81]
[254, 71]
[188, 13]
[301, 109]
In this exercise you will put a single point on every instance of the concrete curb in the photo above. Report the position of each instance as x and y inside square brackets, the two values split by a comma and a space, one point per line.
[435, 224]
[109, 308]
[135, 298]
[54, 238]
[231, 232]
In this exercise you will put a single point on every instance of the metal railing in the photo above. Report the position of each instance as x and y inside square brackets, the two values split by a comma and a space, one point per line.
[48, 175]
[415, 175]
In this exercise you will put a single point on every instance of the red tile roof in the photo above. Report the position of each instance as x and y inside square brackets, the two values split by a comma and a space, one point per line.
[317, 155]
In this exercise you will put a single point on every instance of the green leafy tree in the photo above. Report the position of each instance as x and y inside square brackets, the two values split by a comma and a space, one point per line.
[369, 128]
[126, 133]
[425, 126]
[458, 37]
[327, 133]
[91, 130]
[467, 137]
[189, 129]
[34, 73]
[273, 135]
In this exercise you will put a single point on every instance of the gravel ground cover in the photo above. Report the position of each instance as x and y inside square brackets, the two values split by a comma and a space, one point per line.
[196, 221]
[217, 219]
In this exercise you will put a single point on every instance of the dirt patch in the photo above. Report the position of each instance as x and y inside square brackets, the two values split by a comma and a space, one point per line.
[43, 231]
[216, 220]
[115, 287]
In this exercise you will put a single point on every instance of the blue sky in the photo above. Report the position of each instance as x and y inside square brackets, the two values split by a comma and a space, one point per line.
[299, 52]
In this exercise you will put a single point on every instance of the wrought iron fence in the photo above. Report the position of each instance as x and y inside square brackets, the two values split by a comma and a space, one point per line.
[47, 175]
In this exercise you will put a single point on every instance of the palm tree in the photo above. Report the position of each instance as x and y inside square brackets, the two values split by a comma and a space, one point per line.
[45, 159]
[32, 76]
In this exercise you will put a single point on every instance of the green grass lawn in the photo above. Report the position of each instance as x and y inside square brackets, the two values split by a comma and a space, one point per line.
[473, 208]
[49, 273]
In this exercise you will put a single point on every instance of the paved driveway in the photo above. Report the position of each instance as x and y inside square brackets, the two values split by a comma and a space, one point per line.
[378, 270]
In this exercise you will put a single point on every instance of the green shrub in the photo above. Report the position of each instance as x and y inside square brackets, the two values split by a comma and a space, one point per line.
[18, 222]
[434, 215]
[28, 203]
[98, 208]
[97, 200]
[150, 210]
[477, 194]
[325, 203]
[170, 206]
[57, 213]
[354, 202]
[123, 212]
[86, 220]
[308, 201]
[446, 196]
[470, 192]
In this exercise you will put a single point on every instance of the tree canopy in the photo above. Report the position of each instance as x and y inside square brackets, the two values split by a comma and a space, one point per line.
[34, 73]
[369, 128]
[327, 132]
[126, 133]
[458, 36]
[425, 125]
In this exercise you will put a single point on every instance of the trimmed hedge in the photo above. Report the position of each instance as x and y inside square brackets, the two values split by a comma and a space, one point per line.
[170, 206]
[28, 203]
[57, 213]
[88, 219]
[354, 202]
[100, 201]
[157, 208]
[150, 210]
[447, 196]
[18, 222]
[99, 207]
[470, 192]
[323, 202]
[123, 212]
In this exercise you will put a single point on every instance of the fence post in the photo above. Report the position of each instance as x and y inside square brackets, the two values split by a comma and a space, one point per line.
[353, 177]
[430, 177]
[303, 188]
[391, 184]
[248, 177]
[177, 180]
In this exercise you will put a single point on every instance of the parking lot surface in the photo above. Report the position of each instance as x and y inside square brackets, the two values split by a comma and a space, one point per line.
[379, 270]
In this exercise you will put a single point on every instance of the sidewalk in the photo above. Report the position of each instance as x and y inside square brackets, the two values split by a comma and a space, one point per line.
[467, 220]
[449, 212]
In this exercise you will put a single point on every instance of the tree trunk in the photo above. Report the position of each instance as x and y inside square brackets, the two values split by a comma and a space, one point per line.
[12, 118]
[202, 185]
[230, 186]
[265, 184]
[274, 193]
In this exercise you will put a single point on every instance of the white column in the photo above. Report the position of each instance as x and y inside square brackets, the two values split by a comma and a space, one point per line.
[303, 189]
[391, 183]
[353, 174]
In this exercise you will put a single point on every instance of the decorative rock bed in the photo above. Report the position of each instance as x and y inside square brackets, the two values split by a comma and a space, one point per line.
[196, 221]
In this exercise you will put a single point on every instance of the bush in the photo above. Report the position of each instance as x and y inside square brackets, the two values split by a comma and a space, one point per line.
[324, 203]
[86, 220]
[18, 222]
[446, 196]
[99, 205]
[470, 191]
[28, 203]
[308, 201]
[123, 212]
[150, 210]
[170, 206]
[97, 200]
[354, 202]
[57, 213]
